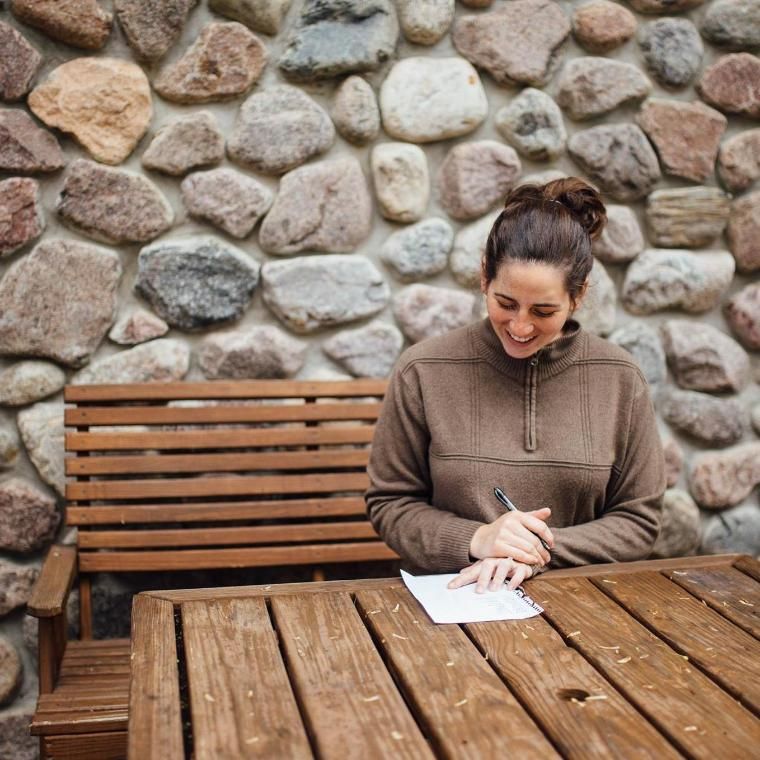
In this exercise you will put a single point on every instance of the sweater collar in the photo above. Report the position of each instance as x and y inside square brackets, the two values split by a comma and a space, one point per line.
[552, 359]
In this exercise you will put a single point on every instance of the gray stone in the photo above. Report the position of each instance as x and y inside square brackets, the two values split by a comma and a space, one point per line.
[333, 37]
[310, 292]
[355, 111]
[151, 27]
[29, 381]
[402, 184]
[42, 429]
[28, 517]
[677, 279]
[16, 582]
[477, 3]
[21, 215]
[469, 247]
[621, 239]
[689, 217]
[590, 86]
[137, 327]
[228, 199]
[19, 63]
[541, 178]
[532, 122]
[702, 358]
[743, 315]
[425, 22]
[11, 671]
[225, 61]
[112, 205]
[643, 343]
[278, 129]
[423, 311]
[681, 529]
[185, 143]
[195, 283]
[720, 479]
[672, 50]
[81, 23]
[263, 351]
[755, 417]
[673, 461]
[715, 421]
[517, 43]
[601, 26]
[369, 351]
[320, 207]
[263, 16]
[743, 232]
[9, 444]
[619, 158]
[597, 312]
[739, 160]
[736, 531]
[16, 743]
[30, 628]
[421, 250]
[25, 147]
[664, 6]
[58, 301]
[732, 84]
[454, 98]
[732, 24]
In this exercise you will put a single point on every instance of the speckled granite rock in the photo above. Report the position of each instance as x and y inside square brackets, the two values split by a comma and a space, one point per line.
[715, 421]
[355, 111]
[601, 26]
[11, 670]
[720, 479]
[672, 50]
[81, 23]
[681, 528]
[532, 122]
[739, 160]
[423, 311]
[420, 250]
[734, 531]
[743, 232]
[264, 16]
[28, 517]
[26, 148]
[743, 315]
[621, 239]
[16, 583]
[643, 343]
[41, 427]
[369, 351]
[28, 381]
[732, 24]
[21, 216]
[732, 84]
[16, 743]
[689, 217]
[151, 27]
[402, 183]
[425, 22]
[19, 64]
[137, 327]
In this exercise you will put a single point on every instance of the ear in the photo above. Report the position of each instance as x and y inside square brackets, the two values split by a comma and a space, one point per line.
[575, 303]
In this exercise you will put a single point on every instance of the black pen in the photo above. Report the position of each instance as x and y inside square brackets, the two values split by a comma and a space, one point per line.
[502, 497]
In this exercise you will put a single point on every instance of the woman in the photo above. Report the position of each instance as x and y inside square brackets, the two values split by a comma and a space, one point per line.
[526, 400]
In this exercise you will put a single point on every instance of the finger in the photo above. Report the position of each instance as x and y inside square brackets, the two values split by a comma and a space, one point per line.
[517, 547]
[500, 574]
[486, 571]
[539, 527]
[519, 574]
[467, 575]
[535, 543]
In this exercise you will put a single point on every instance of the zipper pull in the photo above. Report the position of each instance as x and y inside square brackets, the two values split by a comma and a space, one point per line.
[534, 361]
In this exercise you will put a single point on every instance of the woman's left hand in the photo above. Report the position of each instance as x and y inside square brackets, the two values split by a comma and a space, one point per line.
[491, 572]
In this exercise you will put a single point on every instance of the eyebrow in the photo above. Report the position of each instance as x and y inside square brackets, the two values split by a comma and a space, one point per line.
[544, 305]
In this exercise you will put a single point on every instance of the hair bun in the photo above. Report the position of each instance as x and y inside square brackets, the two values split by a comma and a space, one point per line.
[581, 200]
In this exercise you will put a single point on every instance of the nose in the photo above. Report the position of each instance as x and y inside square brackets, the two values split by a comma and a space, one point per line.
[521, 327]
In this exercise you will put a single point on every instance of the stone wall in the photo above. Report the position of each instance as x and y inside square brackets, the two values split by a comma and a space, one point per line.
[256, 189]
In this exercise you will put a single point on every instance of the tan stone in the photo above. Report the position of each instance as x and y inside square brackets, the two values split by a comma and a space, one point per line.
[681, 527]
[601, 26]
[744, 232]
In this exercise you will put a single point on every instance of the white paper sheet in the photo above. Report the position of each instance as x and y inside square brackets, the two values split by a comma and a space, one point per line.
[464, 605]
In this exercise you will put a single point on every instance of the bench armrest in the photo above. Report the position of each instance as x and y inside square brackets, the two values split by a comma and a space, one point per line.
[51, 591]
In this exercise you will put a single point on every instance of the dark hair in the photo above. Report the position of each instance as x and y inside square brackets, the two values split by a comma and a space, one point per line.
[548, 224]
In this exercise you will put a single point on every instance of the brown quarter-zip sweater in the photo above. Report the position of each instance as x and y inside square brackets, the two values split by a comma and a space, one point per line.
[572, 428]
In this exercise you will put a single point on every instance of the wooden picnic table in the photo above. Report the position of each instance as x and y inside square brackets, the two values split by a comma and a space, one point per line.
[656, 659]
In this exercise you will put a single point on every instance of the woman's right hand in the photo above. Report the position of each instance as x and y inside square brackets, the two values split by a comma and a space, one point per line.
[511, 535]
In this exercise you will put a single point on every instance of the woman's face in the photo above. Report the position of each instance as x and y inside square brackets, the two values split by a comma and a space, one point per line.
[528, 304]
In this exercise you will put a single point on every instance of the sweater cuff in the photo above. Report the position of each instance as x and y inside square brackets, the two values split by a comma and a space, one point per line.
[455, 536]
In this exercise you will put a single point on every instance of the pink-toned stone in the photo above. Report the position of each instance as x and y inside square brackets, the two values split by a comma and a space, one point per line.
[224, 62]
[732, 84]
[720, 479]
[739, 160]
[21, 216]
[744, 232]
[664, 6]
[601, 26]
[16, 583]
[743, 314]
[423, 311]
[26, 148]
[137, 327]
[151, 27]
[81, 23]
[28, 517]
[10, 671]
[686, 135]
[105, 103]
[673, 461]
[18, 63]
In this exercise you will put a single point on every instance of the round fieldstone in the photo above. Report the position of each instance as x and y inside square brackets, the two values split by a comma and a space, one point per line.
[320, 207]
[454, 98]
[516, 43]
[735, 531]
[743, 315]
[11, 671]
[81, 23]
[112, 205]
[686, 136]
[720, 479]
[619, 158]
[755, 418]
[591, 86]
[19, 63]
[138, 326]
[28, 517]
[664, 6]
[425, 22]
[469, 247]
[532, 123]
[689, 217]
[601, 26]
[16, 582]
[58, 301]
[677, 279]
[278, 129]
[260, 15]
[673, 454]
[26, 148]
[21, 216]
[732, 84]
[195, 283]
[185, 143]
[702, 358]
[423, 311]
[263, 351]
[151, 28]
[743, 232]
[310, 292]
[402, 184]
[739, 160]
[9, 443]
[369, 351]
[643, 343]
[732, 24]
[41, 427]
[715, 421]
[420, 250]
[333, 37]
[672, 50]
[225, 61]
[29, 381]
[681, 527]
[597, 311]
[621, 239]
[105, 103]
[355, 111]
[228, 199]
[541, 178]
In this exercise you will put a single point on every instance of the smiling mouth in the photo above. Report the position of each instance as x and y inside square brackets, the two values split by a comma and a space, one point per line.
[520, 340]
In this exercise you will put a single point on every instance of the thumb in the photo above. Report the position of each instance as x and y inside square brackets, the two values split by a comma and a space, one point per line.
[542, 513]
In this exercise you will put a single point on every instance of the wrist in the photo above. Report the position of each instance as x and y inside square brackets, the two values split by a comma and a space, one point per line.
[476, 548]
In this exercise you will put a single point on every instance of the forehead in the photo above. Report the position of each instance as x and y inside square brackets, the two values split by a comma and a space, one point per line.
[527, 281]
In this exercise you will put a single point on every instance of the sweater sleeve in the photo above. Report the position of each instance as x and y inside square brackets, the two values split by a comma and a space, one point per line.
[629, 525]
[399, 495]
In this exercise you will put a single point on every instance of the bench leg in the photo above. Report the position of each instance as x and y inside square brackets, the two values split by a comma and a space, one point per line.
[85, 607]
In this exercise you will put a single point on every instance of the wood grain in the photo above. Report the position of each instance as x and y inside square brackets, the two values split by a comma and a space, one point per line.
[748, 565]
[51, 590]
[110, 745]
[607, 568]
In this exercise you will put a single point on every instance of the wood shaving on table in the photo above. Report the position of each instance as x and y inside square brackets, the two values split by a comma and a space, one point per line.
[252, 740]
[373, 612]
[524, 635]
[208, 698]
[643, 656]
[647, 686]
[745, 603]
[460, 703]
[396, 608]
[373, 698]
[680, 572]
[399, 636]
[624, 660]
[449, 664]
[397, 735]
[578, 702]
[689, 728]
[574, 633]
[596, 697]
[250, 693]
[613, 583]
[615, 647]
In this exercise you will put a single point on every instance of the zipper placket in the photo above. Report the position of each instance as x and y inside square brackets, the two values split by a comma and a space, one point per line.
[531, 393]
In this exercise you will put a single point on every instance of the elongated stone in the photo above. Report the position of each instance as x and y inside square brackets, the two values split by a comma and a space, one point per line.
[689, 217]
[673, 461]
[29, 381]
[10, 445]
[423, 311]
[81, 23]
[744, 232]
[137, 327]
[151, 27]
[420, 250]
[715, 421]
[402, 184]
[532, 122]
[185, 143]
[18, 65]
[41, 427]
[720, 479]
[21, 215]
[26, 148]
[355, 111]
[369, 351]
[28, 517]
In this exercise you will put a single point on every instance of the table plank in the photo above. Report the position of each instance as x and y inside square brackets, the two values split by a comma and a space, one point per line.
[692, 711]
[234, 671]
[154, 708]
[587, 571]
[348, 699]
[466, 709]
[726, 653]
[748, 565]
[729, 591]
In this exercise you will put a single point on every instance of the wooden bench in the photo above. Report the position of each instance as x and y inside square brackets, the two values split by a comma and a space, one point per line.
[189, 476]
